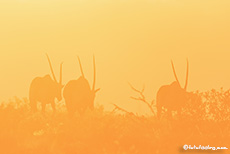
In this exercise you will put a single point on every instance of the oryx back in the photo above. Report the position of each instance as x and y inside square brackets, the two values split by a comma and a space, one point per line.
[171, 96]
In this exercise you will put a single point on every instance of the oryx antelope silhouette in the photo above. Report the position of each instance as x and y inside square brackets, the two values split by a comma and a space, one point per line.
[45, 89]
[173, 96]
[77, 93]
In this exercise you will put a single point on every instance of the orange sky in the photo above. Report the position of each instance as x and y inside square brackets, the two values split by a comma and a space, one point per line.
[133, 41]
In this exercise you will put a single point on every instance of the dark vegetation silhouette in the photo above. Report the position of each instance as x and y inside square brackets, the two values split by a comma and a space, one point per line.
[77, 93]
[172, 97]
[143, 99]
[204, 120]
[45, 89]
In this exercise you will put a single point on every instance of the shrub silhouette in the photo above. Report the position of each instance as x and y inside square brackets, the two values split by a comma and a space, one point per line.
[205, 121]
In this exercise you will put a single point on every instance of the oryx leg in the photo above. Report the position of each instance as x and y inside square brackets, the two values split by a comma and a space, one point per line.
[43, 107]
[169, 113]
[53, 106]
[159, 108]
[179, 113]
[33, 105]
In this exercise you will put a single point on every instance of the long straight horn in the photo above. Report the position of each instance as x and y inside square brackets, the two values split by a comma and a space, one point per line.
[174, 72]
[61, 73]
[94, 73]
[51, 68]
[186, 81]
[82, 73]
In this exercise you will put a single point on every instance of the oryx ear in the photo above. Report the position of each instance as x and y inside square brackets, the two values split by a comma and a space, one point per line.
[97, 90]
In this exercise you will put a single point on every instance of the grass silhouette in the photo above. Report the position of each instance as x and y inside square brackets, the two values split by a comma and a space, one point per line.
[204, 121]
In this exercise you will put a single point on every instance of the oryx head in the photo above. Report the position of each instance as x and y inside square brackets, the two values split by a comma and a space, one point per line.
[57, 85]
[180, 91]
[186, 80]
[93, 91]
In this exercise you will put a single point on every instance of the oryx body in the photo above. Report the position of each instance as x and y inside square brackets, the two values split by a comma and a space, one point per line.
[172, 97]
[78, 95]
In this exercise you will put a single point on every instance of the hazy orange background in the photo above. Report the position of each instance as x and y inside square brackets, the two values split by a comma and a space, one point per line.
[133, 41]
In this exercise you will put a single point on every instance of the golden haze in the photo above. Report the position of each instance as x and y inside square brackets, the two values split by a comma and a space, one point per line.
[133, 41]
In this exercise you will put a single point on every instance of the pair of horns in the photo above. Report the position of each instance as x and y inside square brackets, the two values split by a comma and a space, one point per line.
[186, 81]
[94, 73]
[52, 71]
